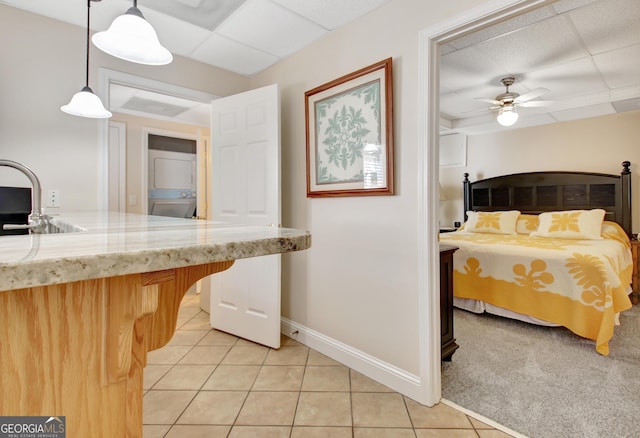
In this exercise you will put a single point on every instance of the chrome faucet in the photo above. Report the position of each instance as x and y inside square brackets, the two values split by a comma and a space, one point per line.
[37, 219]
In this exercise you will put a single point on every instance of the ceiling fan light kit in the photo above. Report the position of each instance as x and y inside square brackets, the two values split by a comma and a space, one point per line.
[507, 115]
[132, 38]
[507, 102]
[85, 103]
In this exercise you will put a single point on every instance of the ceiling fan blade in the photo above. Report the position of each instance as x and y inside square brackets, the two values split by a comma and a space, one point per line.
[536, 103]
[532, 94]
[478, 111]
[491, 101]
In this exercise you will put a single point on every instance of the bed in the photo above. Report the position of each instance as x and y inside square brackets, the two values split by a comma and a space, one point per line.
[549, 248]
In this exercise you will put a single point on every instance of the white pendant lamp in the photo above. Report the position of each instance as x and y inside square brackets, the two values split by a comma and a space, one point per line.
[132, 38]
[85, 103]
[507, 115]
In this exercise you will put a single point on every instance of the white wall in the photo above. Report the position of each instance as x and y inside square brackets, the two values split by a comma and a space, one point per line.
[358, 282]
[598, 144]
[42, 64]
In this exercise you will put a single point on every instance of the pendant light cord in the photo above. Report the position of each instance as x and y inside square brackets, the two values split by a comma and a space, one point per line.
[88, 36]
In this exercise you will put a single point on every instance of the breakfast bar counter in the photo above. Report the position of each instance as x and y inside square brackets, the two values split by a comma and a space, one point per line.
[80, 308]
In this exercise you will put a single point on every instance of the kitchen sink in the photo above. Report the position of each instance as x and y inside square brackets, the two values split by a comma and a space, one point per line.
[55, 226]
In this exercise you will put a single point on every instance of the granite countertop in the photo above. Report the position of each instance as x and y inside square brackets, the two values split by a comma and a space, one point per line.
[106, 244]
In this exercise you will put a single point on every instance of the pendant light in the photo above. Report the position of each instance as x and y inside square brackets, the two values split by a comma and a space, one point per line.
[507, 115]
[132, 38]
[85, 103]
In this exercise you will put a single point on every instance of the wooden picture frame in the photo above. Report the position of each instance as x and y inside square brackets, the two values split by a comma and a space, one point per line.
[349, 130]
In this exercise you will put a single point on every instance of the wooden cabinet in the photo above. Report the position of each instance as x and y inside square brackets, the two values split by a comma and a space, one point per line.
[635, 248]
[446, 301]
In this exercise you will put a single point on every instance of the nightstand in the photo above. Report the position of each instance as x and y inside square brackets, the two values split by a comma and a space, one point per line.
[635, 283]
[448, 342]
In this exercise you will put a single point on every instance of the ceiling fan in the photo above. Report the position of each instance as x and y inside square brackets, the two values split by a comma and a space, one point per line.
[507, 102]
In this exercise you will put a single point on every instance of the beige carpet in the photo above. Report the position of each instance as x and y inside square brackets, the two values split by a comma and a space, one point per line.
[546, 382]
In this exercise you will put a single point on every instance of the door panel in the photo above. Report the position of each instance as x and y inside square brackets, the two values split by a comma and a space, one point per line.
[245, 299]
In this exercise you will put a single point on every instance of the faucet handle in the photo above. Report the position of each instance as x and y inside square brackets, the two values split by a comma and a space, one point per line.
[37, 224]
[17, 226]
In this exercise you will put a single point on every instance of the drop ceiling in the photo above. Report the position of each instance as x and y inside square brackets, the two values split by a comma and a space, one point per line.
[585, 52]
[243, 36]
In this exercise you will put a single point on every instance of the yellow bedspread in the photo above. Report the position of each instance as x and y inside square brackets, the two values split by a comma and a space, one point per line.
[579, 284]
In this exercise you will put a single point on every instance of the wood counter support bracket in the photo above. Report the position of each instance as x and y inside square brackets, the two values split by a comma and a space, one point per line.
[162, 324]
[127, 301]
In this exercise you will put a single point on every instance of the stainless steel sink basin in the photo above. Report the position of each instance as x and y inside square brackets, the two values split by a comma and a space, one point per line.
[55, 226]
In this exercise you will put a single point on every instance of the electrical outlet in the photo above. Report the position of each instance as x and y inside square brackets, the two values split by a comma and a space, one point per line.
[53, 198]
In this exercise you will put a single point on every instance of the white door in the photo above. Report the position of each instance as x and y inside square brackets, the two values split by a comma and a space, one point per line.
[245, 189]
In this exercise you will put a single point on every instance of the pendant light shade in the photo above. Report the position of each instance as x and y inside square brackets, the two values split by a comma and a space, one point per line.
[132, 38]
[507, 115]
[85, 103]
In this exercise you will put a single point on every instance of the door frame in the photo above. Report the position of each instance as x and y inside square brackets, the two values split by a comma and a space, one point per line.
[430, 40]
[106, 77]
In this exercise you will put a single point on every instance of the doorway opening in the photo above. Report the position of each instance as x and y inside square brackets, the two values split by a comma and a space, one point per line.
[150, 99]
[172, 171]
[430, 40]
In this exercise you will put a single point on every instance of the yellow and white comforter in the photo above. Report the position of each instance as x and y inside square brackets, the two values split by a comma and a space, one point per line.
[579, 284]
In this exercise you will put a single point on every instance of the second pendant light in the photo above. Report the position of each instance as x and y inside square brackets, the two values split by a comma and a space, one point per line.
[132, 38]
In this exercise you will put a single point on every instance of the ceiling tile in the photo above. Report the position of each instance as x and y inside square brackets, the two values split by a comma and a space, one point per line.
[468, 68]
[199, 115]
[453, 106]
[608, 24]
[205, 14]
[150, 106]
[568, 80]
[143, 103]
[503, 27]
[620, 68]
[120, 95]
[179, 37]
[233, 56]
[541, 45]
[598, 110]
[271, 28]
[332, 14]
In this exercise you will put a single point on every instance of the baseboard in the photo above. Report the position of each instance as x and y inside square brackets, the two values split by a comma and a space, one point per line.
[389, 375]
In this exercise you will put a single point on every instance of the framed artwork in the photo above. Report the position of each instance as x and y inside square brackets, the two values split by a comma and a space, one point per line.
[350, 134]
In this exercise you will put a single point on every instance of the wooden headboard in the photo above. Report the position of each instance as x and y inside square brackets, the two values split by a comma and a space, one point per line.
[538, 192]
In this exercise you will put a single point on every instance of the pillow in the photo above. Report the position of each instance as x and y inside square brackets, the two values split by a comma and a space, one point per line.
[612, 230]
[527, 223]
[494, 222]
[572, 224]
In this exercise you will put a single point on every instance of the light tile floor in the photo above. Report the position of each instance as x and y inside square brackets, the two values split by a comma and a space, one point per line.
[207, 383]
